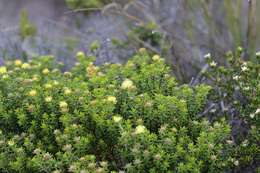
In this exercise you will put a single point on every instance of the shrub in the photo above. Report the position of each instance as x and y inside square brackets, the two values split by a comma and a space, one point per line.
[79, 4]
[236, 89]
[133, 117]
[26, 28]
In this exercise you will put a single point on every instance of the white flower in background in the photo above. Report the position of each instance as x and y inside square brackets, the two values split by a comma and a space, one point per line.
[230, 142]
[257, 54]
[236, 163]
[207, 56]
[140, 129]
[236, 77]
[246, 88]
[244, 68]
[257, 111]
[245, 143]
[117, 119]
[127, 84]
[213, 64]
[252, 115]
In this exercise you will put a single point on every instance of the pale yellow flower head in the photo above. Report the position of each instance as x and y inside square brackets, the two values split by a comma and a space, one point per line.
[55, 83]
[127, 84]
[67, 91]
[5, 76]
[140, 129]
[48, 99]
[63, 104]
[48, 86]
[142, 50]
[18, 62]
[111, 99]
[10, 142]
[117, 119]
[33, 93]
[156, 57]
[67, 74]
[3, 70]
[213, 64]
[80, 54]
[25, 66]
[45, 71]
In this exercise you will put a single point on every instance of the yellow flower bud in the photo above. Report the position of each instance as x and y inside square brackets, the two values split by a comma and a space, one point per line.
[80, 54]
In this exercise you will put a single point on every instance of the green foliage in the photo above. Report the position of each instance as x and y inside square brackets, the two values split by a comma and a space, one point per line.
[237, 87]
[95, 45]
[147, 33]
[80, 4]
[27, 29]
[132, 117]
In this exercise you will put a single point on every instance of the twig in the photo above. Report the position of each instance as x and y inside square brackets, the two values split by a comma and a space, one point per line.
[83, 10]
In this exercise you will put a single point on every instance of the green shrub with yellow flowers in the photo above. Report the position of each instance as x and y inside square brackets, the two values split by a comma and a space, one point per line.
[133, 117]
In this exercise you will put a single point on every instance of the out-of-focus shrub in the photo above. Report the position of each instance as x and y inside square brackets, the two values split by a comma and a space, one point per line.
[237, 94]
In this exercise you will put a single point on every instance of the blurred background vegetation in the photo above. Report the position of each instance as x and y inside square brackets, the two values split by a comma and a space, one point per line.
[182, 31]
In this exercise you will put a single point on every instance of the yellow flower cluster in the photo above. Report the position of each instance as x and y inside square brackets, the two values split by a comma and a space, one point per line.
[140, 129]
[32, 93]
[26, 66]
[63, 106]
[48, 99]
[45, 71]
[91, 70]
[117, 119]
[127, 84]
[18, 62]
[111, 99]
